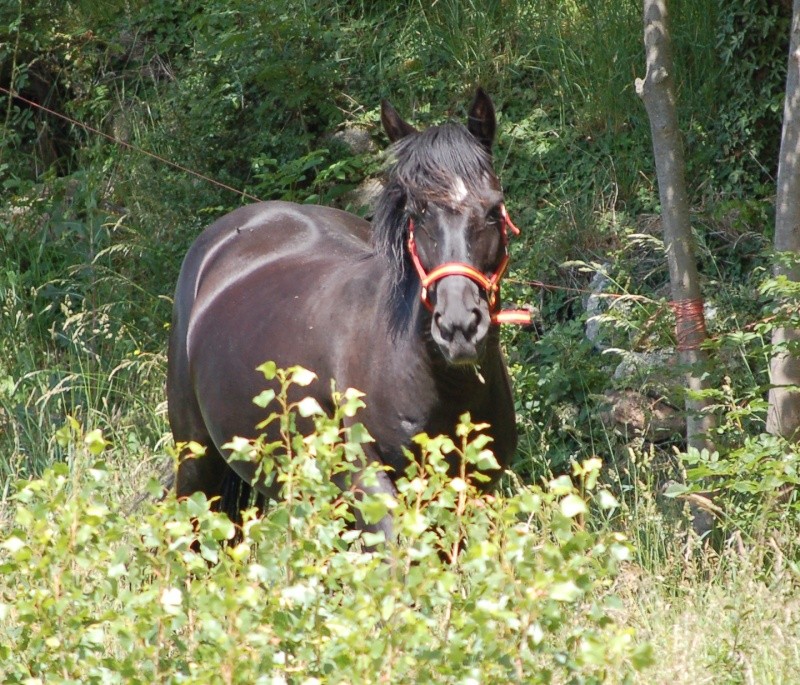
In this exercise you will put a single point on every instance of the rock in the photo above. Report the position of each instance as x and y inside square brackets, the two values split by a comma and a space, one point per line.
[364, 197]
[653, 373]
[608, 313]
[636, 414]
[636, 368]
[356, 139]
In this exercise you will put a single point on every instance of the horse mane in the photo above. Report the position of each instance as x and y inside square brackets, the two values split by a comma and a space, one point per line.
[423, 168]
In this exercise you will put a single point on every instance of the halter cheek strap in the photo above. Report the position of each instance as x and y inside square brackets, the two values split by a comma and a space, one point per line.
[491, 284]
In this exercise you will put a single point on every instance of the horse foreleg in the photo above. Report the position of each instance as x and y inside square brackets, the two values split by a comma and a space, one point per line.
[210, 474]
[378, 483]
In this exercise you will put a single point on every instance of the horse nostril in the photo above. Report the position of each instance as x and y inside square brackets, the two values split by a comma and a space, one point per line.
[446, 331]
[474, 323]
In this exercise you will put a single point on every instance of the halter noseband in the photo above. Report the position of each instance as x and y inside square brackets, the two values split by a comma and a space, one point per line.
[491, 284]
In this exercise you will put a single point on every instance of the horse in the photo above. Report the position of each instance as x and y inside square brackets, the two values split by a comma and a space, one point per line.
[406, 310]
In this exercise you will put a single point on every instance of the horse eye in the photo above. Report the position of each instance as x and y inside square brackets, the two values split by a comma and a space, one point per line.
[493, 216]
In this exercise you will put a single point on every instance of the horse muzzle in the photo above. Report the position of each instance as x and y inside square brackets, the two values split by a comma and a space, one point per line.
[460, 320]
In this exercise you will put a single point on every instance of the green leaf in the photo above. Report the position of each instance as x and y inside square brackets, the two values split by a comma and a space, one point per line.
[302, 377]
[572, 506]
[308, 406]
[606, 500]
[561, 485]
[269, 369]
[620, 552]
[567, 591]
[358, 434]
[387, 607]
[373, 509]
[373, 539]
[486, 461]
[676, 490]
[643, 656]
[67, 432]
[95, 442]
[264, 398]
[352, 402]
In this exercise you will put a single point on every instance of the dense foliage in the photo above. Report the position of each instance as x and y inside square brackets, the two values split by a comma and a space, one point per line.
[253, 95]
[477, 590]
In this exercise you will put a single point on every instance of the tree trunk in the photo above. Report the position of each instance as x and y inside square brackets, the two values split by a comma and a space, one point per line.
[657, 90]
[783, 417]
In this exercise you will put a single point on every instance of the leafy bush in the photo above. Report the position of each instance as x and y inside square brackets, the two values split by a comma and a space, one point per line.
[753, 45]
[752, 486]
[752, 476]
[476, 589]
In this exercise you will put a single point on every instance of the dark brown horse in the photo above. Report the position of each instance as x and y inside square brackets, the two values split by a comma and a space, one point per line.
[321, 288]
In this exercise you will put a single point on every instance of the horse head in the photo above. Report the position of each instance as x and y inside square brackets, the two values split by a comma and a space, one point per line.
[453, 231]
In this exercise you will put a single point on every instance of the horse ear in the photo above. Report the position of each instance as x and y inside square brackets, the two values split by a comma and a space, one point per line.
[393, 124]
[482, 123]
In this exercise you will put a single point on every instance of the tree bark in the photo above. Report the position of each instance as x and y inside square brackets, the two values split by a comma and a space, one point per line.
[783, 416]
[657, 90]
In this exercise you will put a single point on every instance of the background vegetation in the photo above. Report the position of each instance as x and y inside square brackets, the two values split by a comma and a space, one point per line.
[250, 94]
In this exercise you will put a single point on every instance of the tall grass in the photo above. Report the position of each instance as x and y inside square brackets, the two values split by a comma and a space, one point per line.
[717, 620]
[81, 328]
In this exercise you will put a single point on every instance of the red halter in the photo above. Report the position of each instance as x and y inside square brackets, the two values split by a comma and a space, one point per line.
[491, 284]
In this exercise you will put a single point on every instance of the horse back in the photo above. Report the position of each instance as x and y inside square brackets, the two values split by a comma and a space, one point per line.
[248, 249]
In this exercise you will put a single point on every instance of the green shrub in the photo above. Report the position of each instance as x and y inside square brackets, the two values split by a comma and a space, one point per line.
[751, 476]
[753, 45]
[475, 589]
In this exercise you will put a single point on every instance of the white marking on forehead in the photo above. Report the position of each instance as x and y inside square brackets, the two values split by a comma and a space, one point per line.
[459, 190]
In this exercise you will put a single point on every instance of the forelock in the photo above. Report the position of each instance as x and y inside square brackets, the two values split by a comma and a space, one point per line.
[441, 163]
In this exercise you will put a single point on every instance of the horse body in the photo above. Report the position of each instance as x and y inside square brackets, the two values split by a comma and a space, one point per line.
[310, 286]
